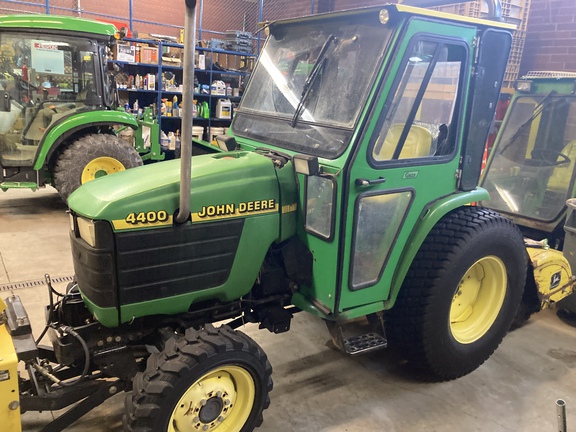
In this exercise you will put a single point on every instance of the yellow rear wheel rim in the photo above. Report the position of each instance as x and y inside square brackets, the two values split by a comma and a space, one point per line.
[478, 299]
[221, 400]
[100, 167]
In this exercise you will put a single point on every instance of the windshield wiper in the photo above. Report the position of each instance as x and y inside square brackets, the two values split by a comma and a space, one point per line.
[320, 61]
[537, 111]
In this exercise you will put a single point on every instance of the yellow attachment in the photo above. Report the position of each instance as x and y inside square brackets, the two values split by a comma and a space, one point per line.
[9, 393]
[478, 299]
[219, 401]
[552, 274]
[100, 167]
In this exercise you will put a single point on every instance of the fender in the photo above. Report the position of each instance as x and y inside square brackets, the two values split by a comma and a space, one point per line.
[429, 219]
[9, 392]
[68, 125]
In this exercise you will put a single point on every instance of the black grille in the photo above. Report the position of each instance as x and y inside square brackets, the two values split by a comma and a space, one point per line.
[162, 263]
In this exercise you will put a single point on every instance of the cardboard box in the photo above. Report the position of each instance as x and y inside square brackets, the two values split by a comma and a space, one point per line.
[149, 55]
[124, 52]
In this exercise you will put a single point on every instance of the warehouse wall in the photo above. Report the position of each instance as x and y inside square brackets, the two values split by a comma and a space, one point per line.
[551, 37]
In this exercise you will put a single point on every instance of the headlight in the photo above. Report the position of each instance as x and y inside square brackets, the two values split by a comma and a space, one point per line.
[524, 86]
[86, 230]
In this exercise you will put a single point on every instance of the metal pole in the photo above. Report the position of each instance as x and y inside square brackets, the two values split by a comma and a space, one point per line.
[47, 6]
[561, 415]
[312, 7]
[131, 8]
[260, 19]
[187, 114]
[201, 18]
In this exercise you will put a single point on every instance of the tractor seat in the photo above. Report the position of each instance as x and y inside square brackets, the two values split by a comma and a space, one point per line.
[418, 143]
[562, 174]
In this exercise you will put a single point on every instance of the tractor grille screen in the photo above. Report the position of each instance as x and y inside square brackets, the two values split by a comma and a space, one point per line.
[167, 262]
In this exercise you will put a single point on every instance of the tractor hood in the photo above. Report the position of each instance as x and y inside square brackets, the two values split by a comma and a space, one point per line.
[224, 185]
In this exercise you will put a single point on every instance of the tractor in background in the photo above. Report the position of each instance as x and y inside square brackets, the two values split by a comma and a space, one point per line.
[530, 177]
[59, 121]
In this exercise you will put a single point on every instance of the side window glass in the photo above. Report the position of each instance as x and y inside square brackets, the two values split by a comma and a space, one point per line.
[420, 121]
[378, 219]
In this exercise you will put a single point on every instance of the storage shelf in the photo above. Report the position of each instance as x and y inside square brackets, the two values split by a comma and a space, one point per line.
[138, 90]
[197, 119]
[206, 76]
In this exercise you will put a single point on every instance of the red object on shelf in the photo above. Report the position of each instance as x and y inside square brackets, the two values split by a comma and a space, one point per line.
[119, 25]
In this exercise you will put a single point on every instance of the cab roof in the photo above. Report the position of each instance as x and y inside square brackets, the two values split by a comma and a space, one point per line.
[399, 9]
[56, 22]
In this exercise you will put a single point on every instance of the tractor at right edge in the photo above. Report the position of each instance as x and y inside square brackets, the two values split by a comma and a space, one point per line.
[530, 177]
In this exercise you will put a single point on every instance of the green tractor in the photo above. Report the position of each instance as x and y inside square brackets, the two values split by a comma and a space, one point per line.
[530, 177]
[344, 188]
[58, 119]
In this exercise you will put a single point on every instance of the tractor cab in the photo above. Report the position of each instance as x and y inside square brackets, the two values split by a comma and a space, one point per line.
[55, 90]
[45, 78]
[530, 174]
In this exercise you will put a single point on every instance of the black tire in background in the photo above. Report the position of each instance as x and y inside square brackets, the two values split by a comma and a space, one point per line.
[70, 171]
[211, 379]
[469, 249]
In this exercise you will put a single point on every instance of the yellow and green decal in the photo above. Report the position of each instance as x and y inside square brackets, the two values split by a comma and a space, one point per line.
[230, 210]
[143, 220]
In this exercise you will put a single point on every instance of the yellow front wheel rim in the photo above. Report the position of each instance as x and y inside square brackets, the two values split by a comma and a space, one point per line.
[221, 400]
[100, 167]
[478, 299]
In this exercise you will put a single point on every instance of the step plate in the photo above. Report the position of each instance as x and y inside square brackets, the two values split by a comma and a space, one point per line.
[18, 185]
[364, 343]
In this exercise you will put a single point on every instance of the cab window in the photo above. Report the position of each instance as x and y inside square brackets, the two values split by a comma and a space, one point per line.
[421, 119]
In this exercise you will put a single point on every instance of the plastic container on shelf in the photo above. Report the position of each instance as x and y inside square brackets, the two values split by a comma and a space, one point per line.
[197, 132]
[224, 109]
[214, 132]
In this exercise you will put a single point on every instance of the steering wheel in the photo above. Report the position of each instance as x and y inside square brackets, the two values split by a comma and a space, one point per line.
[551, 157]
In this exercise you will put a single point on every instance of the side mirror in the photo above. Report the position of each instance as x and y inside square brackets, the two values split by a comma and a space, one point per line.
[6, 105]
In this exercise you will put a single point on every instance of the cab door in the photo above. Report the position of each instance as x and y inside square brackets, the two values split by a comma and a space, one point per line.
[409, 158]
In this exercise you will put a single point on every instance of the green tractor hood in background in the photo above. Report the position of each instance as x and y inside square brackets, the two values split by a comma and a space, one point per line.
[224, 185]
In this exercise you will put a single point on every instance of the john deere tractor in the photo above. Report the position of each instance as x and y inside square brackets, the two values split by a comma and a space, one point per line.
[530, 176]
[344, 188]
[58, 117]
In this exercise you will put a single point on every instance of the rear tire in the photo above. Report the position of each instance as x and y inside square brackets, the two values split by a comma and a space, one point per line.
[218, 379]
[460, 294]
[90, 157]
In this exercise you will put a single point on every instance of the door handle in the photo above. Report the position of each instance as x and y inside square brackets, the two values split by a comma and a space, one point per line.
[365, 182]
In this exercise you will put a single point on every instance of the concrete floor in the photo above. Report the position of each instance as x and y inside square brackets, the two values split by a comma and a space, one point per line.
[315, 387]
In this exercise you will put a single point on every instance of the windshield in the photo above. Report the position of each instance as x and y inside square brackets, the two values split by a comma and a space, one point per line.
[311, 83]
[43, 78]
[39, 67]
[531, 173]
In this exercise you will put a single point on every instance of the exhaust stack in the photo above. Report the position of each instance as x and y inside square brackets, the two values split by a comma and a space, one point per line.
[187, 114]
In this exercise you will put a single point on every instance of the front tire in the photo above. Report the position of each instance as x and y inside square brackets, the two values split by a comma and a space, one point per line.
[209, 380]
[90, 157]
[461, 293]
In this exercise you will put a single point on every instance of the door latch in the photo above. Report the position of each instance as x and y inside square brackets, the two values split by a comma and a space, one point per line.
[365, 182]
